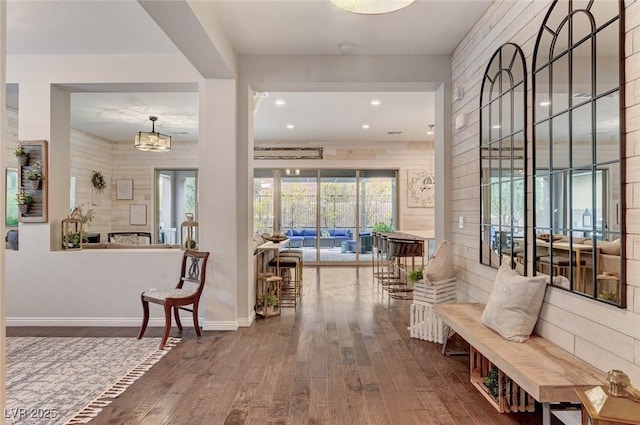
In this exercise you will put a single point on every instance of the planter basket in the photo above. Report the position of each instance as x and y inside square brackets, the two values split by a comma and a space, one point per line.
[23, 159]
[32, 184]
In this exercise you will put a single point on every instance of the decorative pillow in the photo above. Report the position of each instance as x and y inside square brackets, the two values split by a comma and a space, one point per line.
[125, 239]
[440, 266]
[144, 240]
[610, 248]
[514, 304]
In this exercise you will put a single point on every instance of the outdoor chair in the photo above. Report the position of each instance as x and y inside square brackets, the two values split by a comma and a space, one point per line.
[193, 273]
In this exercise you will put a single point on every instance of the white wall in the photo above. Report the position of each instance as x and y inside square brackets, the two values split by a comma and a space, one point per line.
[605, 336]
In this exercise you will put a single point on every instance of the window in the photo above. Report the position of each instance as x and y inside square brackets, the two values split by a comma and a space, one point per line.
[176, 195]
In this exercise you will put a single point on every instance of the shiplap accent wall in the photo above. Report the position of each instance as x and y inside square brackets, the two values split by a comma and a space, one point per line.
[605, 336]
[402, 156]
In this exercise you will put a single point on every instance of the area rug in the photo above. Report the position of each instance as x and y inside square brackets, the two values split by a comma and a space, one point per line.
[69, 380]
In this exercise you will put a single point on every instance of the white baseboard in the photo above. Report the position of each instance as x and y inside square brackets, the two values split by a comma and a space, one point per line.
[82, 321]
[220, 325]
[246, 322]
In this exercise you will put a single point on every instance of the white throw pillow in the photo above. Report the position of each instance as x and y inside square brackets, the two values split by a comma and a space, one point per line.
[514, 304]
[440, 266]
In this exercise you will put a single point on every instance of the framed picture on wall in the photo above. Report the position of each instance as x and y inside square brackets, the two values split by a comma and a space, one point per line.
[138, 215]
[124, 189]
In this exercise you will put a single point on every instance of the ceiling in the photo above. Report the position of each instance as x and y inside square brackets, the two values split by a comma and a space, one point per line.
[253, 27]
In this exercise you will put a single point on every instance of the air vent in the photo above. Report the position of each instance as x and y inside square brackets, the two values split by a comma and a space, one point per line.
[394, 132]
[287, 153]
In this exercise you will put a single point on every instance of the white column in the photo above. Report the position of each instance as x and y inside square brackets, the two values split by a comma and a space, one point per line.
[44, 114]
[444, 208]
[217, 202]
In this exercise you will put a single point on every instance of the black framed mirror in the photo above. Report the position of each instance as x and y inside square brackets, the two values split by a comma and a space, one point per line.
[578, 148]
[503, 159]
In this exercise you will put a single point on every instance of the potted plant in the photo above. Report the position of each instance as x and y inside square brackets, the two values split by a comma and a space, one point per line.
[34, 176]
[270, 301]
[72, 240]
[415, 275]
[99, 180]
[21, 154]
[24, 199]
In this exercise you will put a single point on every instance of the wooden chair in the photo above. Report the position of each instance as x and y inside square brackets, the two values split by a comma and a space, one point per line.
[193, 272]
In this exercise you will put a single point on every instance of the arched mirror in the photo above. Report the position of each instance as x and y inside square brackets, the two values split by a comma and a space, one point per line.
[578, 142]
[503, 159]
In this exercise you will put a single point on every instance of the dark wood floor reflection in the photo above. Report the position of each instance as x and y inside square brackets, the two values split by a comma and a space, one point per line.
[344, 357]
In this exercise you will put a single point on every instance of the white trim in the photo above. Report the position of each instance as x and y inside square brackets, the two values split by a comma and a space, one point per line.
[220, 325]
[82, 321]
[246, 322]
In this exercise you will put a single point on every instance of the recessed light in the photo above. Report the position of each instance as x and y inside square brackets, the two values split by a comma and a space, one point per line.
[280, 102]
[544, 103]
[365, 126]
[430, 132]
[375, 102]
[495, 126]
[290, 126]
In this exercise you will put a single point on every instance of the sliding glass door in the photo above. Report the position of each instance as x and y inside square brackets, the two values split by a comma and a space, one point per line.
[328, 214]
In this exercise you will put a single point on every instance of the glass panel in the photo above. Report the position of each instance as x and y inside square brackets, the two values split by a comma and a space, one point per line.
[581, 27]
[582, 202]
[581, 73]
[543, 100]
[337, 239]
[486, 92]
[486, 164]
[541, 152]
[560, 141]
[604, 11]
[582, 139]
[506, 114]
[517, 68]
[495, 119]
[519, 195]
[485, 245]
[505, 159]
[562, 41]
[177, 195]
[558, 14]
[608, 128]
[298, 210]
[519, 108]
[560, 72]
[263, 192]
[11, 212]
[607, 62]
[544, 48]
[518, 154]
[558, 201]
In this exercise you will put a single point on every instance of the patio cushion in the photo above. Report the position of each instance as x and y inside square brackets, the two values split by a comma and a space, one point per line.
[308, 232]
[339, 232]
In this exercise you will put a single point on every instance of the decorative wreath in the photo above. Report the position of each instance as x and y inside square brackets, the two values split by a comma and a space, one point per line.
[99, 180]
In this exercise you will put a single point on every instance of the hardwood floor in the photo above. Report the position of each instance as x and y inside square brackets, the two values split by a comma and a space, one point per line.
[344, 357]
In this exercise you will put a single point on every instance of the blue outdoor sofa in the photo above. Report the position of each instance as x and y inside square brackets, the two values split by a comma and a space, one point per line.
[307, 237]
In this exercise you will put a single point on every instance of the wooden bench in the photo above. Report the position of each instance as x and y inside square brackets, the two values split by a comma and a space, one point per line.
[538, 367]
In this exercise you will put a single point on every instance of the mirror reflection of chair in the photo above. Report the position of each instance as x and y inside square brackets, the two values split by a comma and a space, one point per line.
[187, 292]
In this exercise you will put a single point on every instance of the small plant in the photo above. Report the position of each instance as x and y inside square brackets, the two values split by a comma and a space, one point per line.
[608, 296]
[415, 275]
[492, 382]
[35, 173]
[23, 197]
[270, 300]
[19, 151]
[99, 180]
[382, 227]
[190, 244]
[85, 217]
[72, 240]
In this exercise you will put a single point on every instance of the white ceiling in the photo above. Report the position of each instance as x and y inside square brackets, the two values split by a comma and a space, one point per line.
[308, 27]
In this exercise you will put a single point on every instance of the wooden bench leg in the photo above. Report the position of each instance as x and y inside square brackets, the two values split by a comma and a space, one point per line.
[449, 332]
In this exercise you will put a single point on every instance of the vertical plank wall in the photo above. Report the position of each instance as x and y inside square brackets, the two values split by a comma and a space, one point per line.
[605, 336]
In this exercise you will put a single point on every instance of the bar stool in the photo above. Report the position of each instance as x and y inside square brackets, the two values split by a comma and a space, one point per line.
[296, 253]
[560, 266]
[287, 268]
[404, 251]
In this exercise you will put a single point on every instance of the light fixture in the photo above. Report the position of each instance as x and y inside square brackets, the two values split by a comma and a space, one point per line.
[375, 102]
[544, 103]
[290, 126]
[152, 141]
[280, 102]
[430, 132]
[371, 7]
[365, 126]
[289, 172]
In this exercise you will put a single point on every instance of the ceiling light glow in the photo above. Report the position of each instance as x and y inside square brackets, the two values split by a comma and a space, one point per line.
[365, 126]
[544, 103]
[371, 7]
[375, 102]
[290, 126]
[280, 102]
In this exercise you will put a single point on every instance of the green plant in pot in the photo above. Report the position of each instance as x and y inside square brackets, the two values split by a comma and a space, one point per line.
[24, 200]
[415, 275]
[21, 155]
[270, 300]
[34, 176]
[72, 240]
[381, 227]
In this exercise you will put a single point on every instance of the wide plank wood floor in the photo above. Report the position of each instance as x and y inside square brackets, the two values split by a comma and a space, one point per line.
[344, 357]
